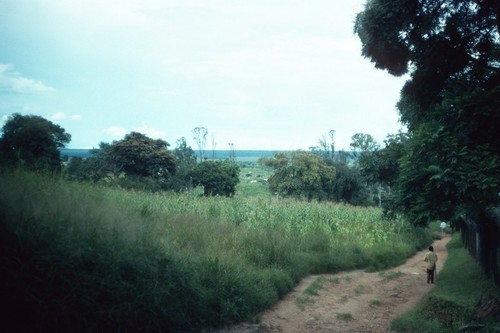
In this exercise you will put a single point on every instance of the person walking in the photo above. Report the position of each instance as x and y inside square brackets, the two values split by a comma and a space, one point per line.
[443, 226]
[431, 260]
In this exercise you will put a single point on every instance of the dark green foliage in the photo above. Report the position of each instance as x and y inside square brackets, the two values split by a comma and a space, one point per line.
[136, 154]
[216, 177]
[363, 143]
[232, 292]
[445, 311]
[451, 50]
[349, 186]
[32, 142]
[382, 165]
[94, 168]
[185, 159]
[464, 169]
[300, 174]
[77, 263]
[135, 162]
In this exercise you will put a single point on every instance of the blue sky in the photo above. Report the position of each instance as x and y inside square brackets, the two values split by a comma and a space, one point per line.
[261, 74]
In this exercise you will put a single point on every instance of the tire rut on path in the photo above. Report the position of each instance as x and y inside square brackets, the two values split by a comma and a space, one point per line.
[354, 301]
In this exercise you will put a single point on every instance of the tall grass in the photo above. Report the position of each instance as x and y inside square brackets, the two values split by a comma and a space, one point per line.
[84, 258]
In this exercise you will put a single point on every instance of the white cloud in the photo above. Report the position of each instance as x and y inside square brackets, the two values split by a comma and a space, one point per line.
[62, 116]
[150, 132]
[13, 82]
[59, 116]
[115, 132]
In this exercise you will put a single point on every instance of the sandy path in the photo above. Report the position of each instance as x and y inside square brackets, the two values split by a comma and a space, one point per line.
[350, 302]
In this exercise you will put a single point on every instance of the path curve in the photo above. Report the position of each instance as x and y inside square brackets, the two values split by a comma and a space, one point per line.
[353, 301]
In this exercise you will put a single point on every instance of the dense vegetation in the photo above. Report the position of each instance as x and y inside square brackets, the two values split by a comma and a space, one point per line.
[32, 142]
[451, 53]
[82, 257]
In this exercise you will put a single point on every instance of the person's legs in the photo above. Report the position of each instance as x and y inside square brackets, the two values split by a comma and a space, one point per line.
[429, 275]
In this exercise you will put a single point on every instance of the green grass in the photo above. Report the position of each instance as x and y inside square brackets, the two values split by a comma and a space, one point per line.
[459, 287]
[100, 259]
[391, 275]
[345, 316]
[302, 300]
[313, 288]
[361, 289]
[344, 299]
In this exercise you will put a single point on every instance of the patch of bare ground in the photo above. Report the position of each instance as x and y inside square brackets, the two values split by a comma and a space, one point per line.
[353, 301]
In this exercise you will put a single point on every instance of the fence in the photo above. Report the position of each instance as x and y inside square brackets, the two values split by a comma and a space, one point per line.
[481, 236]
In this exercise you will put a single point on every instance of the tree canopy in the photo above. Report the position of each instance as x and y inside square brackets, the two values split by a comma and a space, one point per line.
[32, 142]
[136, 154]
[300, 174]
[450, 103]
[216, 177]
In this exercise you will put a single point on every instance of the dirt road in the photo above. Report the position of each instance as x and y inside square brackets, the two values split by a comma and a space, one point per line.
[350, 302]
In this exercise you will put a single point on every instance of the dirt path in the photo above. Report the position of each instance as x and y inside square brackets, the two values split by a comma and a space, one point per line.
[350, 302]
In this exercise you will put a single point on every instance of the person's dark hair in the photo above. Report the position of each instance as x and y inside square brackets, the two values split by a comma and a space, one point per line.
[431, 248]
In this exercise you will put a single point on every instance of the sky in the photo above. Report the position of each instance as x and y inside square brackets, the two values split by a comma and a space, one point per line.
[258, 75]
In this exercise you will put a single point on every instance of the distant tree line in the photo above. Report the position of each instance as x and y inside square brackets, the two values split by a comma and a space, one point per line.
[139, 162]
[325, 174]
[134, 162]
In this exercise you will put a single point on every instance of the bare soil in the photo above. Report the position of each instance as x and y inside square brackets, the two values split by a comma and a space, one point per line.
[354, 301]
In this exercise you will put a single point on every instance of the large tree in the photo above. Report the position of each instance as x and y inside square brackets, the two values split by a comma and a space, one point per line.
[138, 155]
[451, 51]
[216, 177]
[32, 142]
[300, 174]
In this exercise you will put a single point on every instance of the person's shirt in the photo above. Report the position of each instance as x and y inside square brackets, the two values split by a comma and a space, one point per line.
[443, 225]
[431, 260]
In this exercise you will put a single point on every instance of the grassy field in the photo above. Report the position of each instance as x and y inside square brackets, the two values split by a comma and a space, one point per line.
[78, 257]
[460, 287]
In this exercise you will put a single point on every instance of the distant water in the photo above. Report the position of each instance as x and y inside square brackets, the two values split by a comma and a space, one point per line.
[209, 154]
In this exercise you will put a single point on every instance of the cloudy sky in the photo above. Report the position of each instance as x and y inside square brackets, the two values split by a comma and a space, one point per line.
[260, 74]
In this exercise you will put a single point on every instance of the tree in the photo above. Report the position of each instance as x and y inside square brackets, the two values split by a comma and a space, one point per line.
[185, 159]
[363, 143]
[300, 174]
[445, 173]
[200, 137]
[382, 165]
[326, 148]
[451, 50]
[349, 185]
[216, 177]
[32, 142]
[138, 155]
[364, 148]
[184, 156]
[98, 166]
